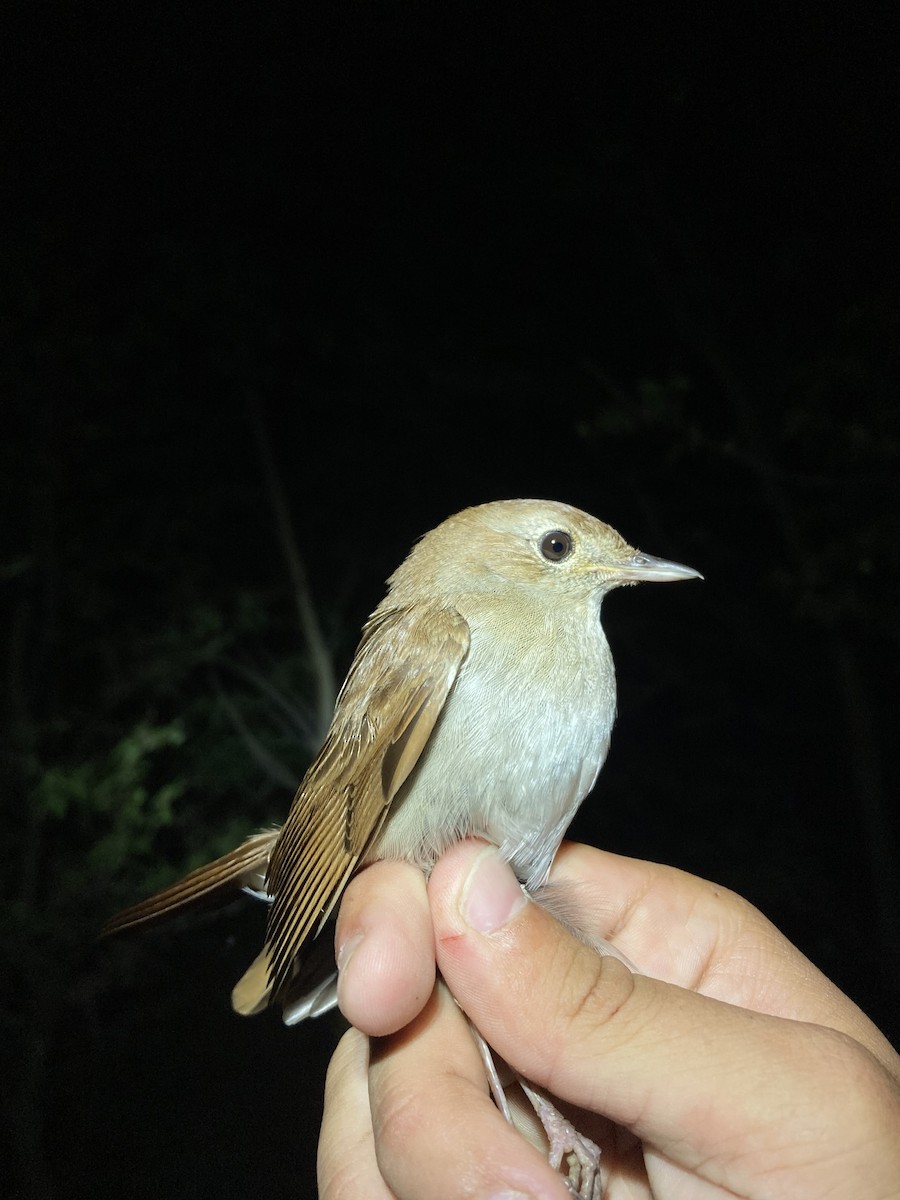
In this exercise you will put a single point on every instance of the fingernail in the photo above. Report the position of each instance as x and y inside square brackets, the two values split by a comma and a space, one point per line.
[346, 949]
[491, 895]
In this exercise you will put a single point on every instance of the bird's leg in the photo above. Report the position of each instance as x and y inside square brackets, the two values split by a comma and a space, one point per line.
[490, 1069]
[582, 1156]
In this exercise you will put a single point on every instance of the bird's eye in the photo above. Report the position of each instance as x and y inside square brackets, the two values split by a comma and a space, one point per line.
[556, 546]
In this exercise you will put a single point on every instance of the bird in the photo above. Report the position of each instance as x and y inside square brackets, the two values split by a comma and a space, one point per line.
[479, 703]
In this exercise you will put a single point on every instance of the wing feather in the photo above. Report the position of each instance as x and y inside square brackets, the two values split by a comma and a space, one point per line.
[394, 693]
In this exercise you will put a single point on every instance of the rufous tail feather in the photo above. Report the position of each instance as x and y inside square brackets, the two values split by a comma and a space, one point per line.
[242, 867]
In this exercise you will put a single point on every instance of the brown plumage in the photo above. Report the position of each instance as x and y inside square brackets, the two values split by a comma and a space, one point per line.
[480, 702]
[243, 868]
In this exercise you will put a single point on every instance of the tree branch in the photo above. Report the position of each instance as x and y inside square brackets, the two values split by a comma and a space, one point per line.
[273, 767]
[320, 656]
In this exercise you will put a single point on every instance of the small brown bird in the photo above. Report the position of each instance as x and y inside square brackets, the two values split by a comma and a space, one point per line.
[480, 702]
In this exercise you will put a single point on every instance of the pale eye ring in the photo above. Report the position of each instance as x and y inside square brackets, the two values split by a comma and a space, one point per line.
[556, 545]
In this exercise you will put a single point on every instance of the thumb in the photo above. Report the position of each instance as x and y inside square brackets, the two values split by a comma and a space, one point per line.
[702, 1082]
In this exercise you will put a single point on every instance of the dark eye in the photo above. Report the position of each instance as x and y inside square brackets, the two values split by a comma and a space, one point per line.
[556, 545]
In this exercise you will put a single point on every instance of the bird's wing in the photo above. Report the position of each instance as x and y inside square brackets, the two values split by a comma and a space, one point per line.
[400, 678]
[245, 866]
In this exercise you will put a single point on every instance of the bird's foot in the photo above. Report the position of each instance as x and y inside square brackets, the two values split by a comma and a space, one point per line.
[582, 1156]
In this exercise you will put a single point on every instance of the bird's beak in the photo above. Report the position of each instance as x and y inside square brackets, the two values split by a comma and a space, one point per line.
[644, 568]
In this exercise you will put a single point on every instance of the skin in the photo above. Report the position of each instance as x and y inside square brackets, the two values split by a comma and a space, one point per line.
[732, 1068]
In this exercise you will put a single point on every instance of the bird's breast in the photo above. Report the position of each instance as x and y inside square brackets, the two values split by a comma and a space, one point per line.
[517, 747]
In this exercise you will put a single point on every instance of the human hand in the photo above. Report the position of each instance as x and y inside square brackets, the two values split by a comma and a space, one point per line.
[732, 1068]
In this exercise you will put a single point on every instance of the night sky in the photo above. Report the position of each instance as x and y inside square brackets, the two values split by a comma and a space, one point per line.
[646, 267]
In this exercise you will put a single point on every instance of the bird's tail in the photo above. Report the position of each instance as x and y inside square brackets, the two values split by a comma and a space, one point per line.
[243, 868]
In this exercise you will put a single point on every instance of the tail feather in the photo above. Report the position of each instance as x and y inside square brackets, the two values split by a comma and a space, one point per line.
[243, 867]
[310, 988]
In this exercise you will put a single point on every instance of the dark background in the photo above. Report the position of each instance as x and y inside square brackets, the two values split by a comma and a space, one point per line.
[428, 259]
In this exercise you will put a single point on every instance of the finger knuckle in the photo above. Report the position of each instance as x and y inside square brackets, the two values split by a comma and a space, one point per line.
[397, 1119]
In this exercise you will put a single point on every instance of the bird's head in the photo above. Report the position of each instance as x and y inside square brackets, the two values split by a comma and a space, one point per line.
[527, 543]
